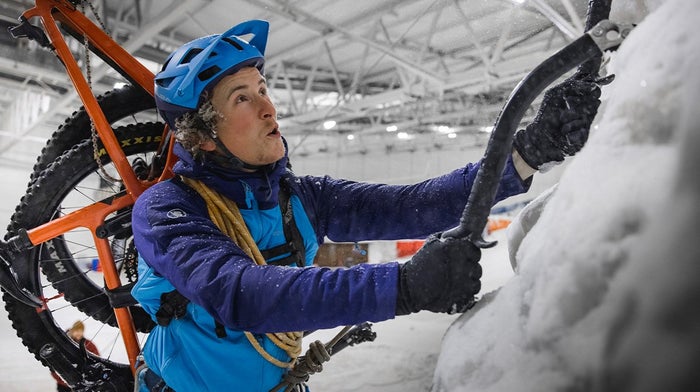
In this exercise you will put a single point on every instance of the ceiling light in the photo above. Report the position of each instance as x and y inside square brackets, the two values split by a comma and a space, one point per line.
[330, 99]
[392, 128]
[351, 137]
[452, 135]
[488, 129]
[329, 124]
[444, 129]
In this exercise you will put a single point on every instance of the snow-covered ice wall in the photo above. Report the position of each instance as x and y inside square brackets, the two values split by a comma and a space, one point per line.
[607, 293]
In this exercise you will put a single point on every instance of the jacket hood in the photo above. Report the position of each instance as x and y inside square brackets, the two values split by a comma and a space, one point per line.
[259, 189]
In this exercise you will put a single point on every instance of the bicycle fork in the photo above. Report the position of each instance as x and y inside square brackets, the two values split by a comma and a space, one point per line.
[18, 248]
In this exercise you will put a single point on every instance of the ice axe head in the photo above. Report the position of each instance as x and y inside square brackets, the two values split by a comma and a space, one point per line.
[462, 231]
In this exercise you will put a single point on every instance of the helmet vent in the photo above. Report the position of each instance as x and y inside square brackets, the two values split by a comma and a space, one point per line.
[232, 42]
[164, 82]
[165, 65]
[208, 73]
[189, 55]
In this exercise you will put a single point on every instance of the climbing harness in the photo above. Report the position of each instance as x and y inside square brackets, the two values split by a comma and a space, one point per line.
[227, 217]
[294, 242]
[173, 305]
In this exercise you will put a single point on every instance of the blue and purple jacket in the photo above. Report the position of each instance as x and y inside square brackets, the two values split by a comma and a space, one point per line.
[181, 248]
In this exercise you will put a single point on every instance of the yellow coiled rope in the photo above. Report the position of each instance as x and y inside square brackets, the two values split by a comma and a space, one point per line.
[226, 216]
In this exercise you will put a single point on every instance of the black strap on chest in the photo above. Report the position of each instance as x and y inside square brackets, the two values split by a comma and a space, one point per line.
[173, 305]
[294, 242]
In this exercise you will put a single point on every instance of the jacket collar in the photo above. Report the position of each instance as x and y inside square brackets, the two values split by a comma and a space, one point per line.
[259, 189]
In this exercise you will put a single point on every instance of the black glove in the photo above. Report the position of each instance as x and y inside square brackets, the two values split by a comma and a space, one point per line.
[442, 277]
[561, 126]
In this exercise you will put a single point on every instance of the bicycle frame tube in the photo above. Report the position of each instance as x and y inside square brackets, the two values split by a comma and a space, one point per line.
[51, 11]
[123, 315]
[92, 217]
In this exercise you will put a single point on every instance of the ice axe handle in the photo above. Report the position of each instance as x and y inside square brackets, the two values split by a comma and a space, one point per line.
[483, 192]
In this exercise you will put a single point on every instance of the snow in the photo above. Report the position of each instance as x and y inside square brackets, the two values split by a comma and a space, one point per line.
[405, 352]
[607, 284]
[606, 292]
[402, 358]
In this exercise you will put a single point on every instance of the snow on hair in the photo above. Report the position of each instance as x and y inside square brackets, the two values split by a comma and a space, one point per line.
[195, 128]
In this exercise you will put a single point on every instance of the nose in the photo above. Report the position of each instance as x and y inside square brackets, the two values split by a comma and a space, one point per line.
[267, 109]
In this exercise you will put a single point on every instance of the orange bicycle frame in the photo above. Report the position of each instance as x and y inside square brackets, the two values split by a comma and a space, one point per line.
[92, 217]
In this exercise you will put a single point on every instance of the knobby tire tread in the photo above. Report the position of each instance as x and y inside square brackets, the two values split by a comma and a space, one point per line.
[37, 206]
[47, 192]
[116, 105]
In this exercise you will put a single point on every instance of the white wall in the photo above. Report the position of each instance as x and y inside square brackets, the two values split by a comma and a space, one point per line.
[404, 167]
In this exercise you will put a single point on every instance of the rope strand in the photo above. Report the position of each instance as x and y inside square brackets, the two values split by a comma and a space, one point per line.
[227, 217]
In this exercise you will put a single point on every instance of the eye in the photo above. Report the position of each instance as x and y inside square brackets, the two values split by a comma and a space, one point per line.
[263, 91]
[241, 98]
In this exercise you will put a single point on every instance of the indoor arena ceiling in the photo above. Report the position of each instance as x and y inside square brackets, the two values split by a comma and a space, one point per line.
[370, 67]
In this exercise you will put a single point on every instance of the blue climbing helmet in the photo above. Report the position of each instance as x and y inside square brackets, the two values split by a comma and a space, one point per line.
[197, 66]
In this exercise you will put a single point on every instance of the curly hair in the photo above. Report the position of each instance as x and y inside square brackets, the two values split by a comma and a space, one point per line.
[194, 128]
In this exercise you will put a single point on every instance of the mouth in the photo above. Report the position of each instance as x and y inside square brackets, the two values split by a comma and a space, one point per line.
[274, 132]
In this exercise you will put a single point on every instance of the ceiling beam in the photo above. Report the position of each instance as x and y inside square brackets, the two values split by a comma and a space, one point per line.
[503, 37]
[562, 24]
[383, 7]
[471, 81]
[575, 19]
[322, 27]
[475, 40]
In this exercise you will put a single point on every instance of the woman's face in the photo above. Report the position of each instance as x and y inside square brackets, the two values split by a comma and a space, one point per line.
[248, 120]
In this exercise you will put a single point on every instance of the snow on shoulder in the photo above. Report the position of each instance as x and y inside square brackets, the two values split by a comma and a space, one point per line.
[608, 282]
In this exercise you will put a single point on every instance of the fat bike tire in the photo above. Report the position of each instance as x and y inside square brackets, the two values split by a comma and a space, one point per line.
[58, 262]
[67, 268]
[129, 104]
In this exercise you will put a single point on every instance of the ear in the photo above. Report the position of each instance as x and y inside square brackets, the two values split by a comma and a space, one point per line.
[207, 145]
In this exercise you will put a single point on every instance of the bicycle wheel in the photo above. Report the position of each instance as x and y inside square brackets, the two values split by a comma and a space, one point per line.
[129, 104]
[62, 269]
[67, 261]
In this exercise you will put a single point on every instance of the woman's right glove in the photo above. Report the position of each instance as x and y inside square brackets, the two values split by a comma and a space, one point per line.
[442, 277]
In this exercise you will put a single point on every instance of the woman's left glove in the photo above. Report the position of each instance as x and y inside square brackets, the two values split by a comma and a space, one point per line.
[561, 126]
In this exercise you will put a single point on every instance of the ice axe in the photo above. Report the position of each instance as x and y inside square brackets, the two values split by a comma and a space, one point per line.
[605, 35]
[318, 353]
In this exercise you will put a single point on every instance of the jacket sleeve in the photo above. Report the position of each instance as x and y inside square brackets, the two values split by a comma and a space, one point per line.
[351, 211]
[175, 237]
